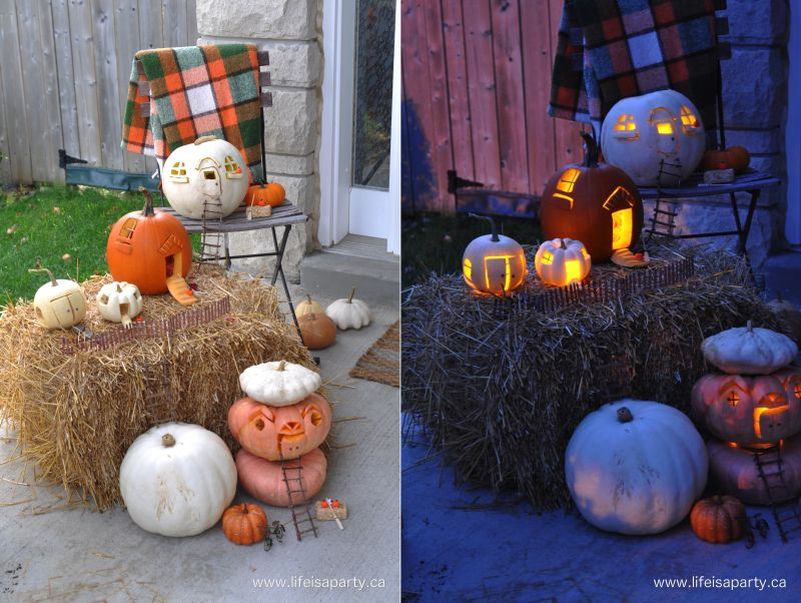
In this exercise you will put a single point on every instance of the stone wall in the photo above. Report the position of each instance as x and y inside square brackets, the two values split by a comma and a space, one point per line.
[755, 103]
[291, 31]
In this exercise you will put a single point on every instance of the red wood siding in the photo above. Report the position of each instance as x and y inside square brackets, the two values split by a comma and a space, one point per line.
[476, 83]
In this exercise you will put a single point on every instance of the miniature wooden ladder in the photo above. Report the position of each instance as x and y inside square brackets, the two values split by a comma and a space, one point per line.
[770, 470]
[663, 221]
[292, 471]
[213, 244]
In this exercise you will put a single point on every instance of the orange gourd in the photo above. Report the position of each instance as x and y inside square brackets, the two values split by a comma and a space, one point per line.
[264, 480]
[244, 524]
[318, 330]
[148, 246]
[718, 519]
[736, 158]
[272, 194]
[275, 432]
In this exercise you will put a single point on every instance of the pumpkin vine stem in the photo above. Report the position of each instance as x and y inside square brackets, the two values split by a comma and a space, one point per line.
[495, 238]
[168, 440]
[624, 415]
[39, 268]
[282, 365]
[147, 210]
[590, 149]
[352, 293]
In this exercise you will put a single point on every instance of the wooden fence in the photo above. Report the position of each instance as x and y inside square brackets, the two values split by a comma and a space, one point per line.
[64, 78]
[476, 84]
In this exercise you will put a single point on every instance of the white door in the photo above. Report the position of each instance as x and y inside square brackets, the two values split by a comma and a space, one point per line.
[360, 150]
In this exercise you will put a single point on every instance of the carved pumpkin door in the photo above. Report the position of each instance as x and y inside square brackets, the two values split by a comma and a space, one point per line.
[620, 203]
[210, 182]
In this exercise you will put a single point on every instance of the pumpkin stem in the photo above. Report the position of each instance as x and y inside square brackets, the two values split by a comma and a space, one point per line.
[749, 327]
[119, 289]
[147, 210]
[352, 293]
[562, 242]
[590, 149]
[39, 268]
[495, 237]
[282, 365]
[168, 440]
[309, 299]
[624, 415]
[206, 138]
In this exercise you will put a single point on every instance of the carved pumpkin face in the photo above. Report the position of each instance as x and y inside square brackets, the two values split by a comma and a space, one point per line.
[146, 248]
[276, 432]
[751, 411]
[494, 263]
[595, 203]
[657, 138]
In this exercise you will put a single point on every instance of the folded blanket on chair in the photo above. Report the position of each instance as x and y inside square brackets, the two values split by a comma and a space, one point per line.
[612, 49]
[195, 91]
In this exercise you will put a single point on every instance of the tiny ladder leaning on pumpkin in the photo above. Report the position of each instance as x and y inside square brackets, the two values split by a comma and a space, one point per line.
[291, 474]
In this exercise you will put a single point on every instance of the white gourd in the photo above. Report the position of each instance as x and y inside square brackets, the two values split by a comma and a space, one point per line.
[177, 479]
[60, 304]
[349, 312]
[749, 350]
[279, 383]
[635, 471]
[119, 302]
[563, 261]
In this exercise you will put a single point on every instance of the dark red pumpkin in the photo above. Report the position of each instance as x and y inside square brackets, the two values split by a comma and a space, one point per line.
[719, 519]
[146, 247]
[595, 203]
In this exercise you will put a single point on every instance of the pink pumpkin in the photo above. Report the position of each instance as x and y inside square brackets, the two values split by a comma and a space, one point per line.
[276, 432]
[264, 480]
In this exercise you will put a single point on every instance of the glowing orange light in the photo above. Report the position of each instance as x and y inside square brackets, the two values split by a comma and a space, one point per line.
[572, 271]
[622, 225]
[664, 128]
[759, 411]
[568, 180]
[507, 270]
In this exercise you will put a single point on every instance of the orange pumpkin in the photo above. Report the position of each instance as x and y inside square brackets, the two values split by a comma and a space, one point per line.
[736, 158]
[275, 432]
[146, 247]
[272, 194]
[264, 480]
[718, 519]
[318, 330]
[244, 524]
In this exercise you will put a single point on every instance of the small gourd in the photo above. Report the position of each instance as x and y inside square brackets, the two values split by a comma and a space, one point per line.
[719, 519]
[561, 262]
[318, 330]
[493, 264]
[244, 524]
[349, 312]
[308, 306]
[119, 302]
[749, 350]
[60, 304]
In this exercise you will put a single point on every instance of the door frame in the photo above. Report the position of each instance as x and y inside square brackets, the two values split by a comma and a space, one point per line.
[792, 224]
[336, 143]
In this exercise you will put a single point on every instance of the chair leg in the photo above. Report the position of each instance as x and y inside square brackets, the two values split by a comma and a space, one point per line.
[279, 271]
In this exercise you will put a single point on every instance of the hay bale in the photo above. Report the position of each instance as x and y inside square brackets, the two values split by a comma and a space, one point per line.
[77, 412]
[499, 387]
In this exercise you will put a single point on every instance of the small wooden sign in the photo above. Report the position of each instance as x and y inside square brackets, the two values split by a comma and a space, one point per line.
[329, 512]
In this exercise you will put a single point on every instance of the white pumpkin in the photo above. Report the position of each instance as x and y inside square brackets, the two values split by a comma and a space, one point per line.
[561, 262]
[60, 304]
[177, 479]
[349, 312]
[279, 383]
[207, 177]
[119, 302]
[749, 350]
[308, 306]
[662, 128]
[635, 467]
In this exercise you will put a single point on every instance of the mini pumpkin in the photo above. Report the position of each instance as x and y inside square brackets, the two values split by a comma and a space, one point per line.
[264, 479]
[205, 179]
[719, 519]
[349, 312]
[733, 470]
[271, 193]
[276, 432]
[150, 249]
[736, 158]
[493, 264]
[244, 524]
[119, 302]
[749, 350]
[60, 304]
[750, 410]
[308, 306]
[561, 262]
[176, 479]
[318, 330]
[635, 467]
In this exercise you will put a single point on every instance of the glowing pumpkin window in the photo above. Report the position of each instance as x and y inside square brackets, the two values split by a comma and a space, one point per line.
[128, 228]
[626, 128]
[733, 399]
[665, 128]
[232, 169]
[547, 258]
[568, 180]
[468, 268]
[689, 122]
[797, 390]
[178, 172]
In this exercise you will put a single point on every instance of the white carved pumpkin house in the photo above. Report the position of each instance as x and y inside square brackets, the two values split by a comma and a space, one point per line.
[207, 179]
[657, 138]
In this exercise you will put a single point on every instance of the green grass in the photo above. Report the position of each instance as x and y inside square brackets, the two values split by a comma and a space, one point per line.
[50, 222]
[435, 243]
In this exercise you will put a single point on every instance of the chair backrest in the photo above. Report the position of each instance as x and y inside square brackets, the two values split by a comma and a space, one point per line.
[723, 54]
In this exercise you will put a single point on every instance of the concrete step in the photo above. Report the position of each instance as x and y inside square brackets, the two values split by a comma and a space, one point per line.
[360, 262]
[782, 274]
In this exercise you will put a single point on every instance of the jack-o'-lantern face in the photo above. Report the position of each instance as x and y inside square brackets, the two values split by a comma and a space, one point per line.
[280, 432]
[751, 411]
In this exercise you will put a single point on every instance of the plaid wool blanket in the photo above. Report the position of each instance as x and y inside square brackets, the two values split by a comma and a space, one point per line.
[612, 49]
[195, 91]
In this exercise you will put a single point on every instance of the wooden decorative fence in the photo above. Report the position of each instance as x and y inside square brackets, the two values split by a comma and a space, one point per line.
[476, 84]
[64, 78]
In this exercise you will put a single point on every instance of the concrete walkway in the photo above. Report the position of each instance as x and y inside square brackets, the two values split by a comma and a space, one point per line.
[467, 544]
[80, 555]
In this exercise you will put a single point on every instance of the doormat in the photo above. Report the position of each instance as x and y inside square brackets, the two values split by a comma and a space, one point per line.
[381, 362]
